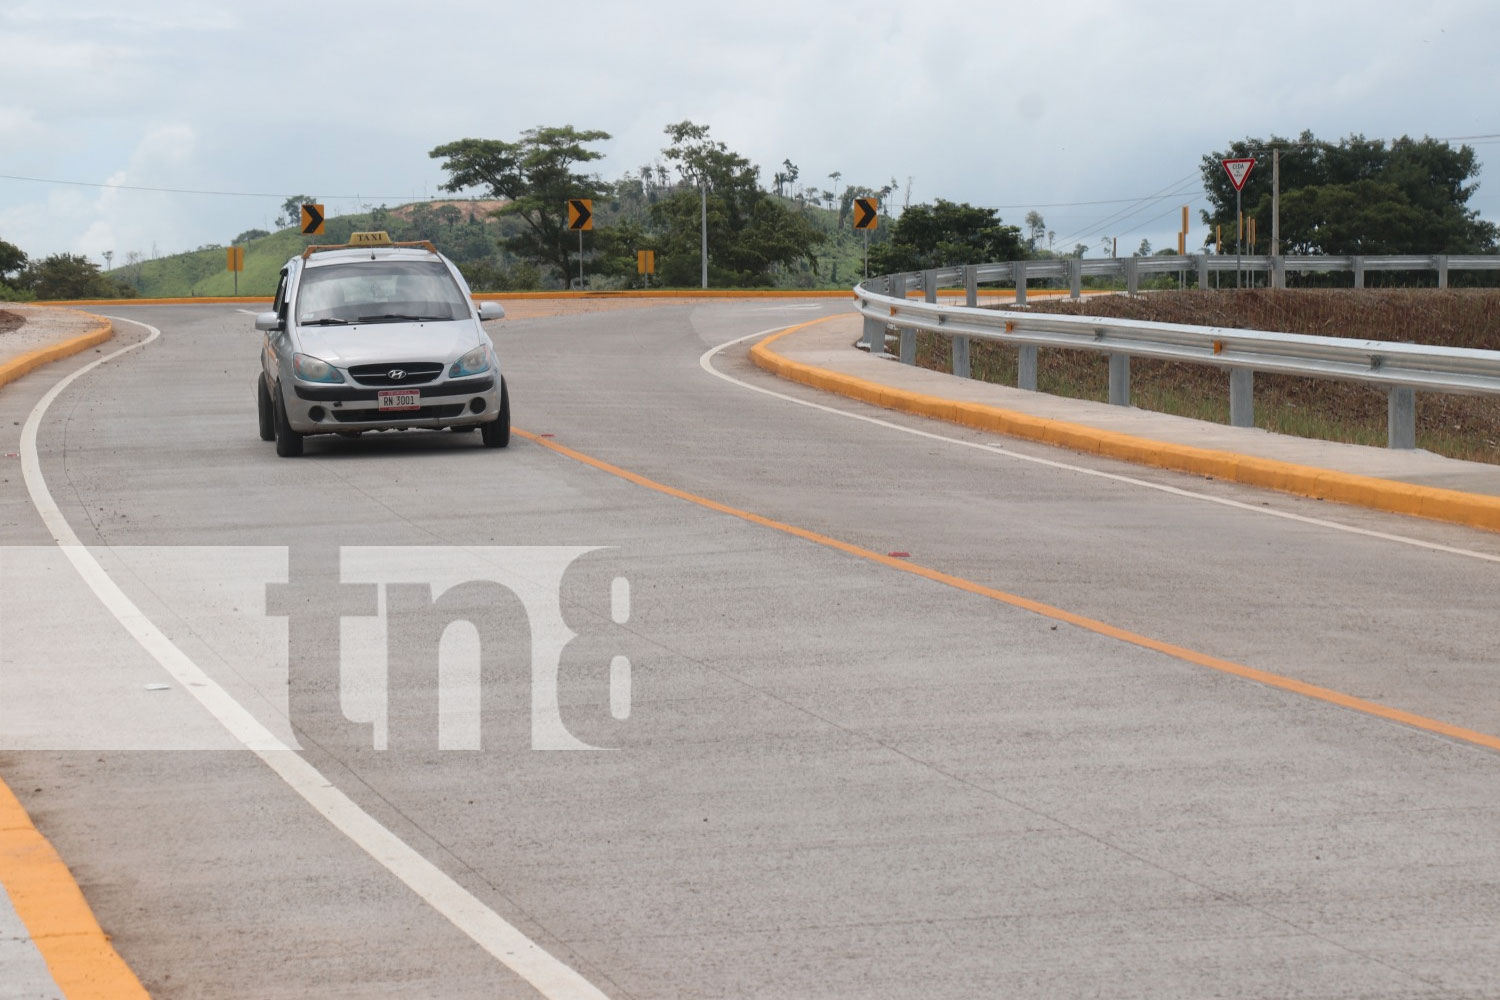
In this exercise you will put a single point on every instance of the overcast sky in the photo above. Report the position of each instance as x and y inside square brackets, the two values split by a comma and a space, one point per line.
[1010, 105]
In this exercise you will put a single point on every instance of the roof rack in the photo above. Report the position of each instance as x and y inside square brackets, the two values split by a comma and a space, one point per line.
[358, 241]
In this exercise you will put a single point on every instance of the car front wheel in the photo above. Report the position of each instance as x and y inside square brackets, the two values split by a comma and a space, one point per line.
[496, 433]
[288, 441]
[265, 409]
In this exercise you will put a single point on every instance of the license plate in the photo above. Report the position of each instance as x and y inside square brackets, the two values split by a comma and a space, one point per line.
[400, 399]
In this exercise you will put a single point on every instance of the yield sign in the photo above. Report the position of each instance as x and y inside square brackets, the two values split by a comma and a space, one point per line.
[1238, 170]
[312, 220]
[580, 213]
[865, 215]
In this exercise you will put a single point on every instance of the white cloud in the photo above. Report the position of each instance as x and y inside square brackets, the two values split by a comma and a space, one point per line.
[988, 103]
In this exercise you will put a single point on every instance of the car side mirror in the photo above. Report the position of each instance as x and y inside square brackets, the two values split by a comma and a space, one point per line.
[489, 310]
[267, 321]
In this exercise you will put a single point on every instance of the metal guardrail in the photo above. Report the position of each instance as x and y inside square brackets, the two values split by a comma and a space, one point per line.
[1402, 369]
[1130, 269]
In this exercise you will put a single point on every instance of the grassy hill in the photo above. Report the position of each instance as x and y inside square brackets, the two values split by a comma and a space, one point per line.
[202, 272]
[472, 242]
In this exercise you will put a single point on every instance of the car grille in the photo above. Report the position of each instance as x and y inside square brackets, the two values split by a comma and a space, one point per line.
[417, 372]
[379, 416]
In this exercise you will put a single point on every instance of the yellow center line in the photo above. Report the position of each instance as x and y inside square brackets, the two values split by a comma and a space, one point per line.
[1192, 656]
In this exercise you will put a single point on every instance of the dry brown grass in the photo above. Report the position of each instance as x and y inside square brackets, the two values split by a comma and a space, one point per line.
[9, 322]
[1459, 426]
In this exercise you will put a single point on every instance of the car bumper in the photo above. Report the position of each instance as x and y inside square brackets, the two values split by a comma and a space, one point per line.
[330, 409]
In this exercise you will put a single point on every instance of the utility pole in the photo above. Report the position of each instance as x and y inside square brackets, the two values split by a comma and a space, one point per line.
[703, 192]
[1276, 202]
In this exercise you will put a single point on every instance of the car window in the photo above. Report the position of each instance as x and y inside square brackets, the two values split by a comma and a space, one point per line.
[375, 291]
[279, 306]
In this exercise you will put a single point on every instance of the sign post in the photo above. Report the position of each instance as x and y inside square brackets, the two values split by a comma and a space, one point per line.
[1238, 171]
[235, 261]
[867, 217]
[580, 217]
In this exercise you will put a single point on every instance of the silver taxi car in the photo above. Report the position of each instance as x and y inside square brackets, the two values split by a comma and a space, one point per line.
[373, 336]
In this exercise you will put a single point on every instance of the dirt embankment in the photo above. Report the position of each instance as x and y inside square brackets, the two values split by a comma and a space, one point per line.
[479, 207]
[1460, 426]
[9, 322]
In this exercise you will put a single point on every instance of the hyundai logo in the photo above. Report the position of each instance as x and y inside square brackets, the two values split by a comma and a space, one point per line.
[395, 374]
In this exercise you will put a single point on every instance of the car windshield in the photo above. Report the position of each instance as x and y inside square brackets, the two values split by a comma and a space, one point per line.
[379, 291]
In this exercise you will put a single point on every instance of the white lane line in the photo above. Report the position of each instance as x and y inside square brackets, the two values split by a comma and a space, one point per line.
[705, 362]
[248, 312]
[517, 952]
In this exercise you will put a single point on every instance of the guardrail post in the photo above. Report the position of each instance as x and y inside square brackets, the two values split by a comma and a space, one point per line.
[1026, 368]
[1132, 275]
[1359, 271]
[1241, 397]
[875, 329]
[908, 346]
[1075, 277]
[1401, 418]
[1018, 269]
[1119, 379]
[1203, 269]
[971, 286]
[1278, 272]
[961, 357]
[908, 333]
[1441, 262]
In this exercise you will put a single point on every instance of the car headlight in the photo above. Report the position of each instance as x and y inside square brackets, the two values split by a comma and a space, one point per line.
[476, 361]
[310, 369]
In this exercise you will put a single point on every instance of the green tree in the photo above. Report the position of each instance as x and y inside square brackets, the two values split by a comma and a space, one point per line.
[1356, 196]
[1036, 229]
[250, 234]
[749, 232]
[536, 176]
[946, 234]
[12, 260]
[69, 276]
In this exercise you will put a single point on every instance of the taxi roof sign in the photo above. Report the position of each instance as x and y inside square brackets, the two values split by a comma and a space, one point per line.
[376, 238]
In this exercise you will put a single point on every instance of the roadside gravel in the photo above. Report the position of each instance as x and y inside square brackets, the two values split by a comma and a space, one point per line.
[40, 326]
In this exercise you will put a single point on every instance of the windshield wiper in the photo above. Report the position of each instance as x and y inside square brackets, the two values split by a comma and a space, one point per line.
[327, 321]
[401, 317]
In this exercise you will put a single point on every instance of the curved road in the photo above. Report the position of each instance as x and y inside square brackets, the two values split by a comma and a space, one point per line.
[846, 758]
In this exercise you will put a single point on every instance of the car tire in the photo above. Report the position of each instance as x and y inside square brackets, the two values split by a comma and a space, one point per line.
[496, 433]
[288, 441]
[264, 409]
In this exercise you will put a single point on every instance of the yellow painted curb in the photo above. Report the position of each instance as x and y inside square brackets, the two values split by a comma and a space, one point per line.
[199, 300]
[57, 917]
[681, 293]
[635, 293]
[1471, 509]
[32, 360]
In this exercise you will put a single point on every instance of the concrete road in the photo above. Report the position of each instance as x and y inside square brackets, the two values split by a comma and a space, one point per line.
[825, 776]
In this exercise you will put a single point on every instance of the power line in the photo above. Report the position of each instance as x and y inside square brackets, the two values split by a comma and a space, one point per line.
[1074, 204]
[1135, 208]
[220, 194]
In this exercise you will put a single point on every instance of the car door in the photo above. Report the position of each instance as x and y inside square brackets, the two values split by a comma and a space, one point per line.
[276, 339]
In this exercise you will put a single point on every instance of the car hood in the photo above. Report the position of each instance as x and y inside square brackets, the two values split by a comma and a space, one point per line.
[377, 343]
